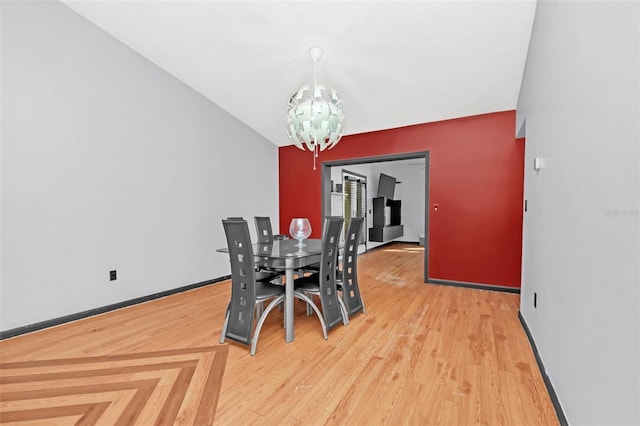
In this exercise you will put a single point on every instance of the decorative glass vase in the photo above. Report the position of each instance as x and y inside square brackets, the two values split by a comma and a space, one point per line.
[300, 228]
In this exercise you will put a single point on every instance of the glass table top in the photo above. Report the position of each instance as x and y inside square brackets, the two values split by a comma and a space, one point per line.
[281, 250]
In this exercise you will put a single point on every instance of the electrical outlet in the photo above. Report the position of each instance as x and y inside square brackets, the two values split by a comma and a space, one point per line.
[535, 299]
[112, 275]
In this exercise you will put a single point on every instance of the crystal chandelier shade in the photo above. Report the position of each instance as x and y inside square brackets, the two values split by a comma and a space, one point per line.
[314, 116]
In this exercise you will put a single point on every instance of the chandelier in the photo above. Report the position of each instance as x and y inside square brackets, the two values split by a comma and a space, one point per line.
[314, 119]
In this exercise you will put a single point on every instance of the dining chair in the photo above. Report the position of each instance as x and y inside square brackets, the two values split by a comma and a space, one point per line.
[247, 292]
[265, 232]
[265, 239]
[263, 271]
[347, 278]
[323, 283]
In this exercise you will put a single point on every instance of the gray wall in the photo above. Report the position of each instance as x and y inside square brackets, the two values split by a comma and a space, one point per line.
[107, 163]
[580, 105]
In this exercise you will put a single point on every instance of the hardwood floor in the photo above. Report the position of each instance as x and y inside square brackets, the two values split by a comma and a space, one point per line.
[422, 354]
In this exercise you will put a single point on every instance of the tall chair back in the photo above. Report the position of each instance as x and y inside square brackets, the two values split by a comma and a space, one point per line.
[327, 276]
[243, 281]
[350, 290]
[264, 230]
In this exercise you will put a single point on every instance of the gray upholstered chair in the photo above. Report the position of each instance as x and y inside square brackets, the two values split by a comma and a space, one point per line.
[247, 292]
[323, 283]
[347, 278]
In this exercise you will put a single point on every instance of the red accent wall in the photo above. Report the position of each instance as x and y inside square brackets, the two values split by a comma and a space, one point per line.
[476, 177]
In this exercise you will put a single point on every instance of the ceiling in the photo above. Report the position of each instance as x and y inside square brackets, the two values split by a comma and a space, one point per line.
[394, 63]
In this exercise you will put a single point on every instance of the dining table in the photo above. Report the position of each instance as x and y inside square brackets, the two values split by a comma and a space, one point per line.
[291, 256]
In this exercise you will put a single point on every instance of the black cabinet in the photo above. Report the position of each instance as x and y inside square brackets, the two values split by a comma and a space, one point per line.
[378, 212]
[380, 232]
[387, 233]
[394, 210]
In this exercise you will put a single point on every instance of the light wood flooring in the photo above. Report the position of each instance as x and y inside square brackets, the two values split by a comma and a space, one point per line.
[422, 355]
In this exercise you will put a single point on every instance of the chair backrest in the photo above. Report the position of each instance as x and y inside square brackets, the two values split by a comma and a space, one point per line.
[350, 289]
[327, 274]
[263, 229]
[243, 280]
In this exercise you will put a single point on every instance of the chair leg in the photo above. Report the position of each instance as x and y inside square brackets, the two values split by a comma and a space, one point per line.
[224, 327]
[309, 306]
[256, 334]
[343, 311]
[304, 297]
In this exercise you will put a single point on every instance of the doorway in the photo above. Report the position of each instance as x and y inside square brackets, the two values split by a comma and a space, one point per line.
[327, 187]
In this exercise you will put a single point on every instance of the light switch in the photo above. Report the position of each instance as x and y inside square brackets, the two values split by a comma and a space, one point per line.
[537, 163]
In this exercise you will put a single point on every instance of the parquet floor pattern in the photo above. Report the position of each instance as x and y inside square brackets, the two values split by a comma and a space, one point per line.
[148, 388]
[421, 355]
